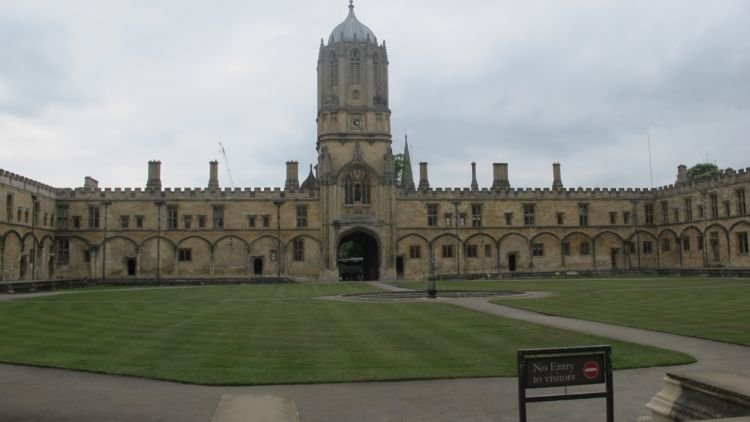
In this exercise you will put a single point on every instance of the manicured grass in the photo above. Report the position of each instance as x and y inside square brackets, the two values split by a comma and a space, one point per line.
[712, 308]
[276, 334]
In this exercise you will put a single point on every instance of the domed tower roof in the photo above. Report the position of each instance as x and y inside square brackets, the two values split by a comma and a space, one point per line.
[352, 29]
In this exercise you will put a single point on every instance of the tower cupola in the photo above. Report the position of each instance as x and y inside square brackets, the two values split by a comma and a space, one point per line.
[351, 29]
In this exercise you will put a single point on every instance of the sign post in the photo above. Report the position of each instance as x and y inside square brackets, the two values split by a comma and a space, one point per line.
[570, 366]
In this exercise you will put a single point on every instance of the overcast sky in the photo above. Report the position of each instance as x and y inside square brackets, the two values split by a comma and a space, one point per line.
[98, 88]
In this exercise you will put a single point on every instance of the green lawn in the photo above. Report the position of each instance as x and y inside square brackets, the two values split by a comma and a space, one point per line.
[712, 308]
[275, 334]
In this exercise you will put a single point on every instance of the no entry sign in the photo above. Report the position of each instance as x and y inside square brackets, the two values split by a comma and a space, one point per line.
[545, 368]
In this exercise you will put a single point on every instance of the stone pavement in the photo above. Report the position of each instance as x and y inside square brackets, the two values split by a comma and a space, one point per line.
[38, 394]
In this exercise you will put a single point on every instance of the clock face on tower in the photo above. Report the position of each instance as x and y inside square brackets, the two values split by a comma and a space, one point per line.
[356, 122]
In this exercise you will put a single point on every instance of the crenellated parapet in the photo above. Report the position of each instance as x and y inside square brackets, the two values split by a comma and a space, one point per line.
[177, 194]
[725, 178]
[24, 183]
[531, 194]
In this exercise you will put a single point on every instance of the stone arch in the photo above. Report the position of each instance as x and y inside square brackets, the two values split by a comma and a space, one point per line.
[309, 266]
[514, 252]
[266, 248]
[669, 252]
[46, 265]
[646, 246]
[11, 255]
[194, 256]
[414, 267]
[579, 247]
[718, 246]
[119, 249]
[484, 260]
[231, 256]
[156, 257]
[608, 251]
[547, 246]
[440, 245]
[359, 267]
[739, 236]
[691, 247]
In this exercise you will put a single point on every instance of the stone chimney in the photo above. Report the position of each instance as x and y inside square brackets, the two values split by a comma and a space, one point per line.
[682, 176]
[292, 176]
[213, 174]
[500, 176]
[154, 175]
[556, 179]
[424, 183]
[474, 184]
[90, 183]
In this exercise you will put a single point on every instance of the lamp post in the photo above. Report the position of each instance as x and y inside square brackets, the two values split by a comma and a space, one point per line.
[34, 254]
[159, 204]
[278, 202]
[106, 205]
[458, 260]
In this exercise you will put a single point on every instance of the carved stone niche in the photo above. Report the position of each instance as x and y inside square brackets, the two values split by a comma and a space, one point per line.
[701, 395]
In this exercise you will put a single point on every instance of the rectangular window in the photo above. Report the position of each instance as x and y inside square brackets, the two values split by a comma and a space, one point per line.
[93, 217]
[648, 212]
[476, 215]
[447, 251]
[448, 220]
[124, 221]
[471, 251]
[727, 209]
[46, 218]
[251, 221]
[9, 207]
[273, 255]
[172, 217]
[139, 221]
[741, 204]
[508, 218]
[26, 216]
[487, 250]
[688, 210]
[76, 222]
[560, 218]
[218, 216]
[666, 245]
[613, 217]
[415, 252]
[62, 218]
[62, 251]
[701, 212]
[676, 213]
[528, 214]
[629, 247]
[700, 242]
[665, 212]
[185, 255]
[566, 249]
[686, 243]
[648, 247]
[585, 248]
[714, 204]
[583, 214]
[187, 221]
[302, 216]
[462, 220]
[266, 221]
[537, 249]
[202, 221]
[298, 249]
[87, 255]
[36, 212]
[742, 247]
[432, 213]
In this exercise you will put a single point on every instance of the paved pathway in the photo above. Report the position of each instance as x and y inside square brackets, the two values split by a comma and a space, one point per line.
[36, 394]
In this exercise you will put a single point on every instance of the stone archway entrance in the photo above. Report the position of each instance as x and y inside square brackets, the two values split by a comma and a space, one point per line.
[358, 257]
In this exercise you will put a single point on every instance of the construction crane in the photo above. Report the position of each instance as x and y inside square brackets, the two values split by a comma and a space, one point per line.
[226, 163]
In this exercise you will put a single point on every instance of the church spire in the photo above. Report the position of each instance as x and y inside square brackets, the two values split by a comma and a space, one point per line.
[407, 179]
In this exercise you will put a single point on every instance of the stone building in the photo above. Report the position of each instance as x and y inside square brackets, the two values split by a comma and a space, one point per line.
[402, 229]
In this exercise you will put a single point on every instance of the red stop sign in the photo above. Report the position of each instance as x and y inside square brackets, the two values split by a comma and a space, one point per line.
[591, 369]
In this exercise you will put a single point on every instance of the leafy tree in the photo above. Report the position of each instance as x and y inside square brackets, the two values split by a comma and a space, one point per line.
[399, 167]
[351, 249]
[701, 170]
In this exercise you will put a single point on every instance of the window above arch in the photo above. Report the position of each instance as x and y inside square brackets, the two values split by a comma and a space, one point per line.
[355, 68]
[357, 188]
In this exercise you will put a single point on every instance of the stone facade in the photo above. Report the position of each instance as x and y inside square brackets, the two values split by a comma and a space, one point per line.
[406, 230]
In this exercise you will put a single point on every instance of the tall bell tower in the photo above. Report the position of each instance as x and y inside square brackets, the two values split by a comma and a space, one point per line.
[355, 161]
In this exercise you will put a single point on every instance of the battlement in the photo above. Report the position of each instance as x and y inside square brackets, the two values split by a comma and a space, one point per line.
[24, 183]
[529, 193]
[725, 177]
[181, 193]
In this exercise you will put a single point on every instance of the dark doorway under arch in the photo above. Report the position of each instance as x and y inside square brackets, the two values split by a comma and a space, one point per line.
[258, 266]
[358, 257]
